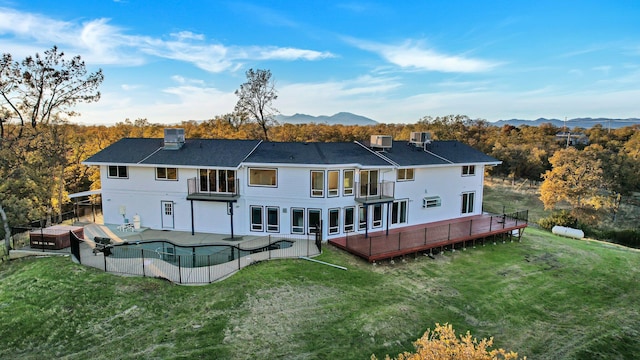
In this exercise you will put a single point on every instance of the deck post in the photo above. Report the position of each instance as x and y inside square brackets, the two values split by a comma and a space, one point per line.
[388, 219]
[399, 241]
[179, 270]
[470, 227]
[449, 234]
[490, 222]
[192, 222]
[142, 256]
[425, 236]
[230, 205]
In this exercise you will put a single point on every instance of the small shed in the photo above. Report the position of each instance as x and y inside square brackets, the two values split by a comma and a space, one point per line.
[54, 237]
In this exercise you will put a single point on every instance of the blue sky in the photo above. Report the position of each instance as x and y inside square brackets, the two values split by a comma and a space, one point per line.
[394, 62]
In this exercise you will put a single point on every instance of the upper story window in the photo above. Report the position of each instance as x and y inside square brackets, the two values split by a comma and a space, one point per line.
[347, 182]
[468, 170]
[333, 182]
[118, 172]
[317, 183]
[163, 173]
[368, 183]
[222, 181]
[263, 177]
[405, 174]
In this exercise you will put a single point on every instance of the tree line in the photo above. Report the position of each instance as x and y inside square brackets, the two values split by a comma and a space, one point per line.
[41, 152]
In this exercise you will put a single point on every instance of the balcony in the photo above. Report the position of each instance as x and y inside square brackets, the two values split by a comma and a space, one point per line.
[198, 191]
[371, 193]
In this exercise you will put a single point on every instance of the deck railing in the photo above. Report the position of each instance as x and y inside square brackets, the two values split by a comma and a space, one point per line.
[372, 191]
[434, 236]
[193, 185]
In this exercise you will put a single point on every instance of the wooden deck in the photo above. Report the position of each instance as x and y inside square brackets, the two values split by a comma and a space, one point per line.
[413, 239]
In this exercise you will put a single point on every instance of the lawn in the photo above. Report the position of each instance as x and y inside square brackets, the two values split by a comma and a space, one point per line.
[546, 297]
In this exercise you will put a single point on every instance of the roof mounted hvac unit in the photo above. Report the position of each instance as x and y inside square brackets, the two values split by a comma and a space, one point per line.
[173, 138]
[381, 141]
[420, 138]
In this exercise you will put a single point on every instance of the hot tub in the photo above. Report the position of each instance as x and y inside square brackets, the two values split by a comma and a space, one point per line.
[54, 237]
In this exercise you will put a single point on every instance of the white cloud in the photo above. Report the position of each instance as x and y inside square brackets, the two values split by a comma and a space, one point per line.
[414, 55]
[186, 35]
[274, 53]
[98, 42]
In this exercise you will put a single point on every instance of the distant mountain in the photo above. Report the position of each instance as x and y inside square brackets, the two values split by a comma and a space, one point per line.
[342, 118]
[573, 123]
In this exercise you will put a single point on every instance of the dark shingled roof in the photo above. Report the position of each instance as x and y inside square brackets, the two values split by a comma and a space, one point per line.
[126, 151]
[459, 153]
[333, 153]
[230, 153]
[438, 153]
[195, 152]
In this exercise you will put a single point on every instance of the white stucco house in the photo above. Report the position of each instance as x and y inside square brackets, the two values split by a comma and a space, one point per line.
[253, 187]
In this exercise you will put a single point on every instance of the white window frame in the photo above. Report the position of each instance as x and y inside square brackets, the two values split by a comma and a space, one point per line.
[257, 226]
[273, 227]
[398, 209]
[275, 178]
[468, 170]
[406, 174]
[431, 202]
[310, 225]
[297, 229]
[362, 217]
[208, 187]
[375, 221]
[166, 174]
[334, 228]
[349, 224]
[317, 192]
[468, 202]
[348, 190]
[333, 191]
[367, 174]
[118, 169]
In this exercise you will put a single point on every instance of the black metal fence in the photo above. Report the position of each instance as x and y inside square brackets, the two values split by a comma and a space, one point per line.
[188, 264]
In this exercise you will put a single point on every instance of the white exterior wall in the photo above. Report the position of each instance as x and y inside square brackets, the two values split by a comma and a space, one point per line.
[142, 194]
[445, 182]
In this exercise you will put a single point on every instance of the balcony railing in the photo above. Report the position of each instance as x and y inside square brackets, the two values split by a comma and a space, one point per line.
[383, 190]
[198, 192]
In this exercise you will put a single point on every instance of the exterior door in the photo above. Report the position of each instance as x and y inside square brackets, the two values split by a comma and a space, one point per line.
[167, 214]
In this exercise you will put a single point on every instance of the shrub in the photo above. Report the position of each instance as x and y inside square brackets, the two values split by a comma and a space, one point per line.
[442, 343]
[561, 218]
[629, 238]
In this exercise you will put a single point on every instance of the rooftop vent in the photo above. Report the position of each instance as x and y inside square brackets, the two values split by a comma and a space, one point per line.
[381, 141]
[173, 139]
[420, 138]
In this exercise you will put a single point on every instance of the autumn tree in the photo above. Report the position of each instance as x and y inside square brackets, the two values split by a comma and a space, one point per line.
[40, 87]
[255, 99]
[442, 343]
[576, 177]
[39, 91]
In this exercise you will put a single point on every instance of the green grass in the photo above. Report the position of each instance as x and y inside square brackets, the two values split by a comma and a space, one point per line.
[546, 297]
